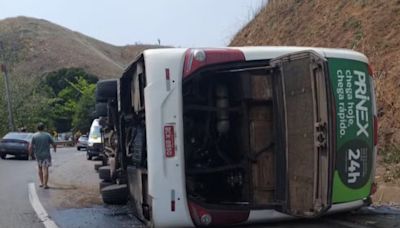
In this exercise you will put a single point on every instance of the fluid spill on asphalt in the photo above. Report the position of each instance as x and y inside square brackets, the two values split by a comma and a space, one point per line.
[373, 216]
[100, 216]
[380, 210]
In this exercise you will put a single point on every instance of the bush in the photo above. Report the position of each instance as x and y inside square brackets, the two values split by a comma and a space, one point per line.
[390, 154]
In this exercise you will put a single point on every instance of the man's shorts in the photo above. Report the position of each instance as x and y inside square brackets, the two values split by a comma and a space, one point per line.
[44, 162]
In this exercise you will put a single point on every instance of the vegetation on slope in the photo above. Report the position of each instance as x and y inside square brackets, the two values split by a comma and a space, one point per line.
[44, 60]
[63, 100]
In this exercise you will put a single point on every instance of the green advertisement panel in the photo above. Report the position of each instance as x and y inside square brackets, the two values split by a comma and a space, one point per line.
[354, 129]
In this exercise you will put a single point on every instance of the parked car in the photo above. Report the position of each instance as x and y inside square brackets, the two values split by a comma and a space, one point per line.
[15, 143]
[95, 143]
[82, 142]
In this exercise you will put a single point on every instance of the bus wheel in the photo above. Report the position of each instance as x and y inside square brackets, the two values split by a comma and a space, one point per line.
[97, 166]
[115, 194]
[104, 184]
[104, 173]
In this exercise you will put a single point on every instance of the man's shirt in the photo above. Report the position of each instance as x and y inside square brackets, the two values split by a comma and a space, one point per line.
[41, 142]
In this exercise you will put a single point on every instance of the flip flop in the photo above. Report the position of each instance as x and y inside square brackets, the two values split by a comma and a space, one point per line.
[40, 185]
[46, 187]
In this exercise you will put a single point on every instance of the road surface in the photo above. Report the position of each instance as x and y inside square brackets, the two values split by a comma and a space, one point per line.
[15, 208]
[73, 200]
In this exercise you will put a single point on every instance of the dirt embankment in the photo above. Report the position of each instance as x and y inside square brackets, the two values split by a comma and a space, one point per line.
[73, 181]
[369, 26]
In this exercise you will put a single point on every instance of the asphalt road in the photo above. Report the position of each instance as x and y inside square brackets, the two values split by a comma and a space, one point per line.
[73, 200]
[15, 208]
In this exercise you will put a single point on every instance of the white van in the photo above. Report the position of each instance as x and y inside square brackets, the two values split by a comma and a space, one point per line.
[95, 143]
[211, 137]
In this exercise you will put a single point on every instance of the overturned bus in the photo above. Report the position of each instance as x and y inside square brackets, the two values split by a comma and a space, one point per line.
[205, 137]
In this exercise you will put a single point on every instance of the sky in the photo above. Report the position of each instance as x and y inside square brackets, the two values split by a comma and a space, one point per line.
[179, 23]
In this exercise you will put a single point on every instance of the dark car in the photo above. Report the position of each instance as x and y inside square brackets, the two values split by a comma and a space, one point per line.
[82, 142]
[16, 143]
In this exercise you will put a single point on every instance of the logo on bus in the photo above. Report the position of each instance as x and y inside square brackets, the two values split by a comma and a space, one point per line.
[354, 163]
[362, 117]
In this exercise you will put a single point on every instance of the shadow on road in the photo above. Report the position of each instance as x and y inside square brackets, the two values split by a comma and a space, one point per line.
[52, 187]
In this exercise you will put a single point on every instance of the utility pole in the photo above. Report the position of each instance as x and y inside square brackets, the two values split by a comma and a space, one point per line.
[8, 95]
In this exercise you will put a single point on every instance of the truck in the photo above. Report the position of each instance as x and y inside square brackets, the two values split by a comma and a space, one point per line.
[227, 136]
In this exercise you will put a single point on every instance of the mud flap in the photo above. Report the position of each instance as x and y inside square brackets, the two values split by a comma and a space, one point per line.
[301, 79]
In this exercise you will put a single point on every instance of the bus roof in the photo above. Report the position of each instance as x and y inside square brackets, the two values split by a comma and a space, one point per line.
[270, 52]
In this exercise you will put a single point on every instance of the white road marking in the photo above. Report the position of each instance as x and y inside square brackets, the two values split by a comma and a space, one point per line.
[38, 207]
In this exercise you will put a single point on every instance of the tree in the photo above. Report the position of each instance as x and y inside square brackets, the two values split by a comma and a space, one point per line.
[3, 109]
[64, 101]
[72, 98]
[29, 104]
[59, 80]
[83, 115]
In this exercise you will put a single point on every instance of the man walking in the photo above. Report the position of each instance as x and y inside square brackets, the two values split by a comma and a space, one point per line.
[40, 145]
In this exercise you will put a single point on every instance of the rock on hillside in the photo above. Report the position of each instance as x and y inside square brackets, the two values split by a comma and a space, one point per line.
[368, 26]
[34, 47]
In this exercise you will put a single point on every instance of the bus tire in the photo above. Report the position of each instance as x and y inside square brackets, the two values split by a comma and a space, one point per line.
[105, 173]
[106, 89]
[101, 109]
[97, 166]
[104, 184]
[115, 194]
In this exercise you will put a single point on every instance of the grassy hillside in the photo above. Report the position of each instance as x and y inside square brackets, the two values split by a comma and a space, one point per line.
[369, 26]
[32, 48]
[35, 46]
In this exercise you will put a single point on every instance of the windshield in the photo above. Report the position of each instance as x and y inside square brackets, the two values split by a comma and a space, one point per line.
[16, 135]
[95, 131]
